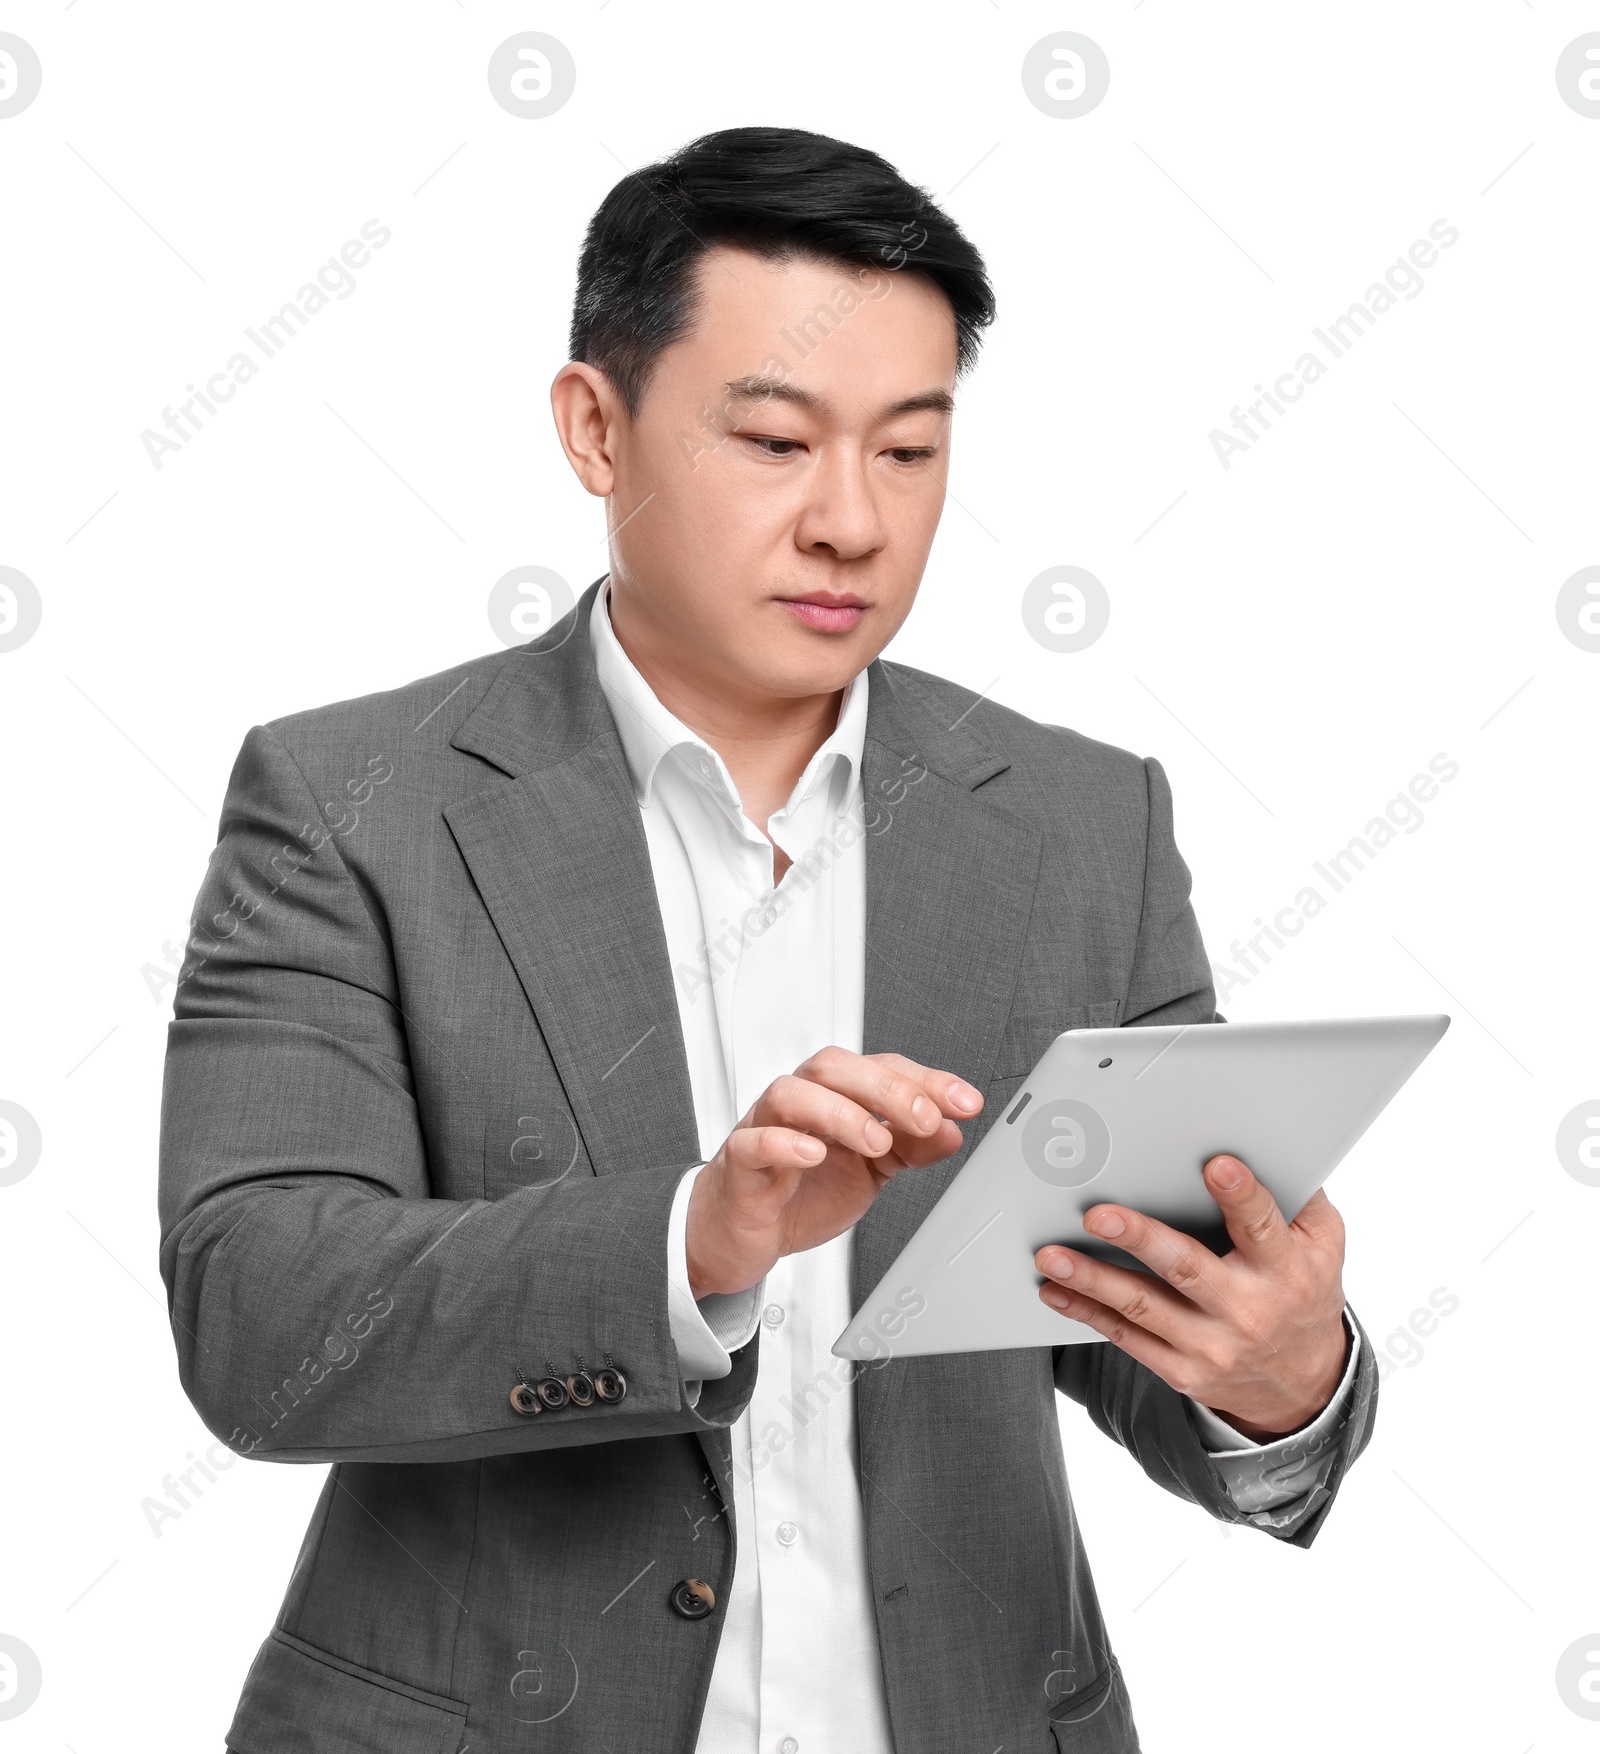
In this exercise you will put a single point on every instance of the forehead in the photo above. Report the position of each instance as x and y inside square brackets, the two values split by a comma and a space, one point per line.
[839, 330]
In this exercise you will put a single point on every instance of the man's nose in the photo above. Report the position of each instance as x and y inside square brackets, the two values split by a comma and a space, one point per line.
[841, 512]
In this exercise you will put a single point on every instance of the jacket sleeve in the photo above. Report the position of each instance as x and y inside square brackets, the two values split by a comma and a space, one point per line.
[1170, 982]
[326, 1306]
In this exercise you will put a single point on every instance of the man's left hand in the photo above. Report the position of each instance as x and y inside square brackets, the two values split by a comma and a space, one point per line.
[1257, 1334]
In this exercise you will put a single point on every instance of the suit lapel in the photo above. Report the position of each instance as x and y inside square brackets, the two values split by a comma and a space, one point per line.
[560, 860]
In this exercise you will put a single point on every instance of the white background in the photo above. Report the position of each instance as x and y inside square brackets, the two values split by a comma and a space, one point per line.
[1371, 584]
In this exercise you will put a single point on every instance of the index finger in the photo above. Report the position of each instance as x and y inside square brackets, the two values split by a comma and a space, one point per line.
[888, 1087]
[1185, 1262]
[957, 1099]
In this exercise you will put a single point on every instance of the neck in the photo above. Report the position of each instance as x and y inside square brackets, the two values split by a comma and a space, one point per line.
[765, 739]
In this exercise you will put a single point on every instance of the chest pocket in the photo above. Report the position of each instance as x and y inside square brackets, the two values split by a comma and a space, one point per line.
[1029, 1032]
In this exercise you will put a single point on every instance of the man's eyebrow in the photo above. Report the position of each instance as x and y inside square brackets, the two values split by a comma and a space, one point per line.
[924, 402]
[756, 388]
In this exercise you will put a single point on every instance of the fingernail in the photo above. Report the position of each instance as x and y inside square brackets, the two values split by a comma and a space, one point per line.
[813, 1150]
[1056, 1298]
[1060, 1264]
[924, 1113]
[879, 1138]
[1107, 1224]
[963, 1096]
[1227, 1174]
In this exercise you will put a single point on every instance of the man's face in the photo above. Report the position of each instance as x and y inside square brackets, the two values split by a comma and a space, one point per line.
[777, 493]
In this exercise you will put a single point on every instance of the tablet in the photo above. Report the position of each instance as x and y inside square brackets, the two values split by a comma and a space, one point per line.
[1131, 1116]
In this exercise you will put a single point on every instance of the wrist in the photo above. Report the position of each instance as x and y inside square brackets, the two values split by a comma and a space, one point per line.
[710, 1271]
[699, 1286]
[696, 1267]
[701, 1279]
[1311, 1403]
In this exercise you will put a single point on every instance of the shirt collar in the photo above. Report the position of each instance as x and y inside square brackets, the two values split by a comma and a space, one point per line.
[648, 732]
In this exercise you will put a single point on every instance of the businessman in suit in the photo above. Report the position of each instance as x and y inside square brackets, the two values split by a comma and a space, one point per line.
[569, 1041]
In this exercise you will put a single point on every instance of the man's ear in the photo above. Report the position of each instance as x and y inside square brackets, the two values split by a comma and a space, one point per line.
[588, 413]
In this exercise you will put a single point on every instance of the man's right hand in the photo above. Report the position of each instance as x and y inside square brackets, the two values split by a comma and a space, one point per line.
[812, 1155]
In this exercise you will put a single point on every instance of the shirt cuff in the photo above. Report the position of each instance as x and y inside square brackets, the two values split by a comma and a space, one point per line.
[1263, 1476]
[706, 1332]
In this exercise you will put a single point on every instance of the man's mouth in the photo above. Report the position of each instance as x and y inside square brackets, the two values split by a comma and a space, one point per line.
[825, 611]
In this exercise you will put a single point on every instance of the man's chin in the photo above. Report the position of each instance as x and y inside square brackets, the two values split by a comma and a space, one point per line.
[798, 675]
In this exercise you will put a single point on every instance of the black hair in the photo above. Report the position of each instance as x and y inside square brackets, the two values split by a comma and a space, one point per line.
[779, 192]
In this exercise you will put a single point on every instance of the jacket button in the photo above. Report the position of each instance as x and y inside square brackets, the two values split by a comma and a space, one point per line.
[609, 1384]
[580, 1389]
[553, 1393]
[525, 1401]
[692, 1599]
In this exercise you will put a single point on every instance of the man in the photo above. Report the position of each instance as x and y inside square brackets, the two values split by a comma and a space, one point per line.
[569, 1041]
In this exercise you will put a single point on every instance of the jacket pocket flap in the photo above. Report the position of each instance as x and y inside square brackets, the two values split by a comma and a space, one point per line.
[1099, 1720]
[301, 1700]
[1029, 1033]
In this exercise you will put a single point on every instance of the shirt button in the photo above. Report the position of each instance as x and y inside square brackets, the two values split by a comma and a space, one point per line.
[772, 1315]
[788, 1534]
[769, 916]
[788, 1746]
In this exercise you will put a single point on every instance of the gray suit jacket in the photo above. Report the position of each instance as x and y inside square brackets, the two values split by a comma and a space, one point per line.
[426, 1106]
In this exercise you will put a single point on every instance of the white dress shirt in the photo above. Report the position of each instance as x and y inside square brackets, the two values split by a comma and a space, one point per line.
[765, 975]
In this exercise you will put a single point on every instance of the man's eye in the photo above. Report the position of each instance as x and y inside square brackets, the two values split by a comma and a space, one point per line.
[775, 447]
[911, 454]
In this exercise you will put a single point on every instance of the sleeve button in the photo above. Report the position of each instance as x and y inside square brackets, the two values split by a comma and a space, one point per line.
[553, 1393]
[525, 1401]
[609, 1384]
[580, 1389]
